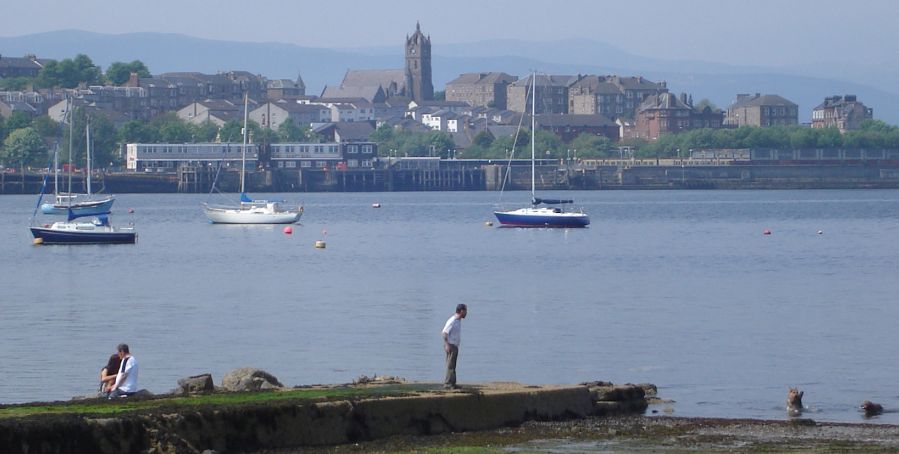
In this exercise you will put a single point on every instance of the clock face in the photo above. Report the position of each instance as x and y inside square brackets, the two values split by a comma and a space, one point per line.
[413, 51]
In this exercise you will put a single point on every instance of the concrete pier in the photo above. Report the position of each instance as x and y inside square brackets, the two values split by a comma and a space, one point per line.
[295, 423]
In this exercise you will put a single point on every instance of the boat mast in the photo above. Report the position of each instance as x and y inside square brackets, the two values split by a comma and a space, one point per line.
[87, 152]
[533, 134]
[71, 144]
[243, 153]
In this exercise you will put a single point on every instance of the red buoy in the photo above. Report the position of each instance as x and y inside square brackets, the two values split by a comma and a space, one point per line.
[288, 230]
[766, 232]
[131, 210]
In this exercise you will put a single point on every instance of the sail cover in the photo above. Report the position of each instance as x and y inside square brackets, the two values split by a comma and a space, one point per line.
[538, 201]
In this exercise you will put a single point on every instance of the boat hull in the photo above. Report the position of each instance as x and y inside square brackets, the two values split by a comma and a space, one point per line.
[541, 217]
[85, 208]
[49, 235]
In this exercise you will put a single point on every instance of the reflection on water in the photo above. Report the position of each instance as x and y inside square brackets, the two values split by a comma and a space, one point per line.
[676, 288]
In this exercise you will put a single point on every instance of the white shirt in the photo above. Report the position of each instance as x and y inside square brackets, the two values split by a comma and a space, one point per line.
[453, 330]
[129, 367]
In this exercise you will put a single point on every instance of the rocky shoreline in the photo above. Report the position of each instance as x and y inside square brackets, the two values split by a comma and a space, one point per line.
[637, 433]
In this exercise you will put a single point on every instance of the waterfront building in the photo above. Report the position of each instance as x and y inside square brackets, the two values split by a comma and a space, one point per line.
[551, 93]
[568, 126]
[666, 113]
[169, 157]
[612, 96]
[480, 89]
[272, 115]
[762, 110]
[27, 66]
[843, 112]
[285, 88]
[217, 111]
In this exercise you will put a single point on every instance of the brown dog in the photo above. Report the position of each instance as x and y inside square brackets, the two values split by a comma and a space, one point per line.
[871, 409]
[794, 400]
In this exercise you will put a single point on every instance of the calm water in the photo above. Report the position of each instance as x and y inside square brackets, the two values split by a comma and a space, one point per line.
[676, 288]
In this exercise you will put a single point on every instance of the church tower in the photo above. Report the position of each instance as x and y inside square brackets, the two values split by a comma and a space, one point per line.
[418, 66]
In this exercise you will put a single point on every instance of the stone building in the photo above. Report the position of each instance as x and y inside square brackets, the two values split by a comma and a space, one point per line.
[666, 113]
[27, 66]
[285, 89]
[480, 89]
[551, 94]
[613, 96]
[377, 85]
[418, 66]
[844, 112]
[761, 111]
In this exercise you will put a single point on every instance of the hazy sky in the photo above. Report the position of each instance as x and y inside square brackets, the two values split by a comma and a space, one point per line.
[755, 32]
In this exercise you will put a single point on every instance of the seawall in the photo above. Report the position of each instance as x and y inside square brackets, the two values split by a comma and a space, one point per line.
[295, 423]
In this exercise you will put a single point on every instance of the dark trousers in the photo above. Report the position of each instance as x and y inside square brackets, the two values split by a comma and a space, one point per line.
[451, 356]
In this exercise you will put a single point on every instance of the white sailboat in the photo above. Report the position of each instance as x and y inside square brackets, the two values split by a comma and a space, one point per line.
[249, 211]
[536, 215]
[80, 204]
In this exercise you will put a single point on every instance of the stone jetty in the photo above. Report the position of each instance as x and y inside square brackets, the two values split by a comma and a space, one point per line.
[225, 421]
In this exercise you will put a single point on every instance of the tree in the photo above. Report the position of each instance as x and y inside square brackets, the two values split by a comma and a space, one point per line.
[14, 83]
[24, 147]
[46, 127]
[482, 139]
[591, 146]
[703, 103]
[206, 131]
[290, 132]
[439, 96]
[136, 131]
[231, 131]
[69, 73]
[118, 73]
[18, 120]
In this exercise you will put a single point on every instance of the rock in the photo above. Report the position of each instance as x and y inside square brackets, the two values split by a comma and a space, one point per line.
[195, 384]
[249, 379]
[378, 380]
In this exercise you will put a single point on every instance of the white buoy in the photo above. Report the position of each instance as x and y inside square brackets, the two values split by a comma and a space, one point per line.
[319, 244]
[766, 232]
[820, 232]
[489, 224]
[376, 205]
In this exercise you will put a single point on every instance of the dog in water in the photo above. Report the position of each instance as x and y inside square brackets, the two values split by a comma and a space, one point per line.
[871, 409]
[794, 400]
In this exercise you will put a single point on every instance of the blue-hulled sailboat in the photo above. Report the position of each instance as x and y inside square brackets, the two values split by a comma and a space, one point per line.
[536, 215]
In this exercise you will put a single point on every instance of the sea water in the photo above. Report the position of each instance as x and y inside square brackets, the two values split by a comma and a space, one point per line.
[681, 289]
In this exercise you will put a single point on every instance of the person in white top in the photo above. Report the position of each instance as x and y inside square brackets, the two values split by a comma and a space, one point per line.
[452, 337]
[126, 380]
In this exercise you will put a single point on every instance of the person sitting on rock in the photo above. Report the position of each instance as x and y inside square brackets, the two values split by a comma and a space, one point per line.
[126, 380]
[108, 373]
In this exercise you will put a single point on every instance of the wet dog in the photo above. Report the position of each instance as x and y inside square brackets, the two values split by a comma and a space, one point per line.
[794, 400]
[871, 409]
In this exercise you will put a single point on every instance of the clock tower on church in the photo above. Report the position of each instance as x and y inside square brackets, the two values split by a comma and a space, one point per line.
[418, 66]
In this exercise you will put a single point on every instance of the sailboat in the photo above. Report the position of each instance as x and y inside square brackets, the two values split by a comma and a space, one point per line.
[250, 211]
[95, 231]
[72, 231]
[80, 204]
[537, 215]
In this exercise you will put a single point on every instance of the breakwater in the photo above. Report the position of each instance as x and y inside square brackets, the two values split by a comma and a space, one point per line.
[294, 423]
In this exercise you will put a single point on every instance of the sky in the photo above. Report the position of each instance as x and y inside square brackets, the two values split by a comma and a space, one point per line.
[765, 33]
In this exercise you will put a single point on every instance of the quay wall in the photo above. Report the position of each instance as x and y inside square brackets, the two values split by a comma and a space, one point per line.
[295, 424]
[487, 177]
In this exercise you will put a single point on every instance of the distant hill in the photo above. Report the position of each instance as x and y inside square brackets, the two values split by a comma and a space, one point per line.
[719, 83]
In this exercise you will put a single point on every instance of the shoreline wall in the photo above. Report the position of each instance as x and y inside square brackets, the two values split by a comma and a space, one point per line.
[293, 423]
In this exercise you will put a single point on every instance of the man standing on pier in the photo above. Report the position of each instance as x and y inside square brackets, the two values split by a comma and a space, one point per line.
[452, 336]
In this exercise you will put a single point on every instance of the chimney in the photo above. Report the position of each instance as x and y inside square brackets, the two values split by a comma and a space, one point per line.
[133, 81]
